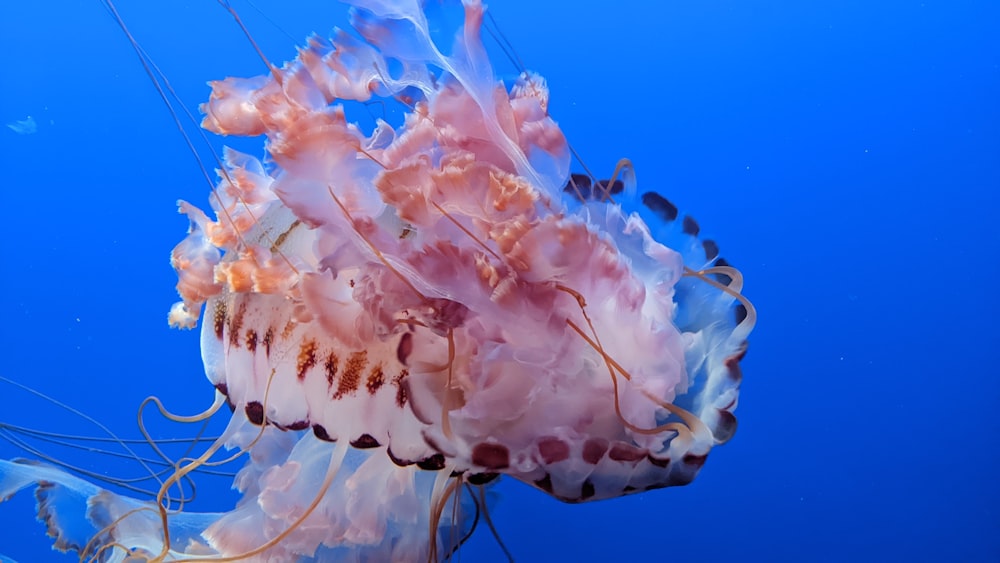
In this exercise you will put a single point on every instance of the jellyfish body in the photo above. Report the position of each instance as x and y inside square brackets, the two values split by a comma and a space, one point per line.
[388, 310]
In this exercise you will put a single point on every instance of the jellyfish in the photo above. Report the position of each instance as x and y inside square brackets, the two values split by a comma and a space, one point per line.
[395, 314]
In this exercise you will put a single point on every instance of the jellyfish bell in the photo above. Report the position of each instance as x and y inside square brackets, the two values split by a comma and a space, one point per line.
[393, 312]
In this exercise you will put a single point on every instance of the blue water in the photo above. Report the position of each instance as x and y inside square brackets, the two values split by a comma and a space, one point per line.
[844, 154]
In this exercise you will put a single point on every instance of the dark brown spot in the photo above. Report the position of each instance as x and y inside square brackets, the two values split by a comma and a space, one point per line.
[396, 460]
[297, 425]
[723, 278]
[552, 449]
[433, 463]
[219, 318]
[593, 450]
[740, 312]
[711, 249]
[330, 366]
[375, 379]
[726, 427]
[581, 186]
[587, 490]
[545, 483]
[602, 188]
[365, 441]
[321, 433]
[659, 461]
[491, 456]
[350, 379]
[733, 364]
[307, 358]
[683, 475]
[578, 185]
[695, 461]
[482, 478]
[405, 347]
[620, 451]
[236, 324]
[401, 395]
[255, 412]
[223, 388]
[580, 181]
[660, 205]
[690, 226]
[268, 340]
[251, 340]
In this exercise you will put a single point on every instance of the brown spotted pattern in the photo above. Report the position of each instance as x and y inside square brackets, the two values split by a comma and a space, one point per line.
[219, 318]
[330, 368]
[251, 340]
[350, 379]
[345, 373]
[306, 360]
[376, 378]
[236, 324]
[400, 388]
[268, 341]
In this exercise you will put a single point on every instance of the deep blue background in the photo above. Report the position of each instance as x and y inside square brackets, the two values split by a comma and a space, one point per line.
[845, 154]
